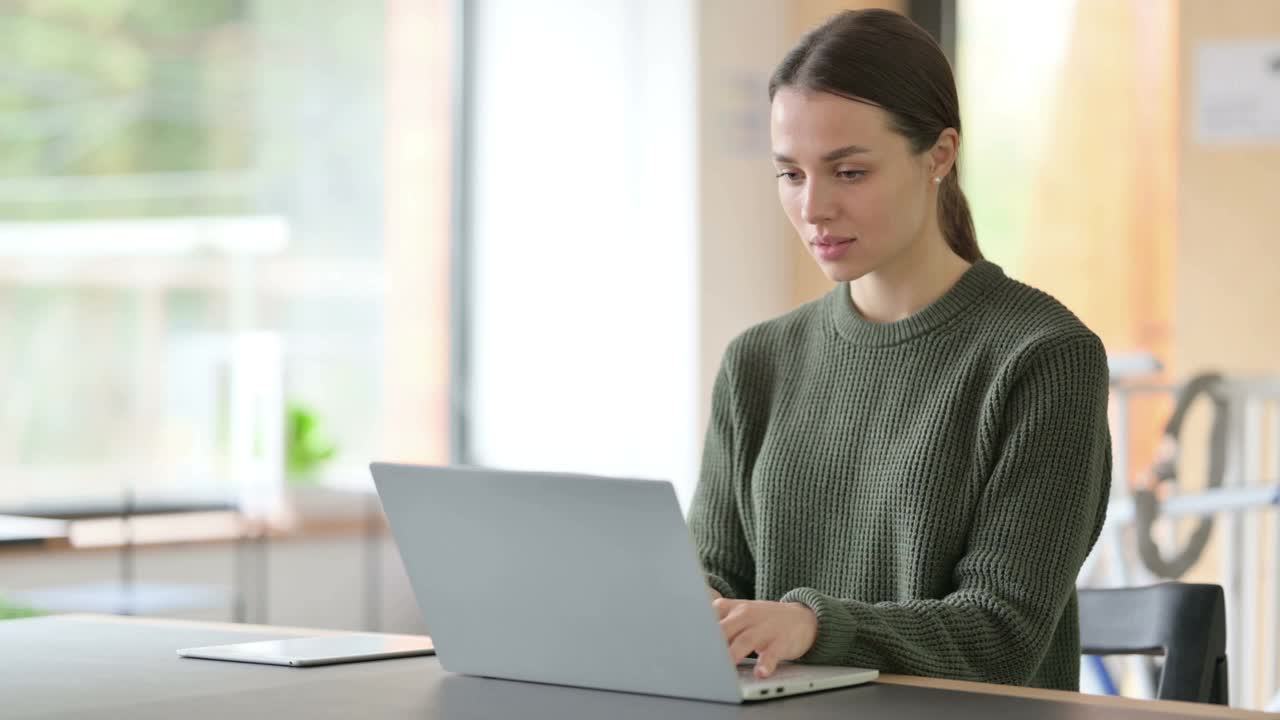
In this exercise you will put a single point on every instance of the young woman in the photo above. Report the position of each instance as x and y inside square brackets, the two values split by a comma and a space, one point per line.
[908, 473]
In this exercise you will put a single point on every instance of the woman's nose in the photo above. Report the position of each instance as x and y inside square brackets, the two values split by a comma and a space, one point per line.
[816, 204]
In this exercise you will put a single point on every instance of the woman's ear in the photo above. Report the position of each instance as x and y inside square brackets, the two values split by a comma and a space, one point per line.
[943, 154]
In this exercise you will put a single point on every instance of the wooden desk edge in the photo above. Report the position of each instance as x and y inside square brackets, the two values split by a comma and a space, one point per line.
[1156, 706]
[1169, 706]
[321, 527]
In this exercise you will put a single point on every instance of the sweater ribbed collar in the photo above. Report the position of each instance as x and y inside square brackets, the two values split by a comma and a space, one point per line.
[976, 282]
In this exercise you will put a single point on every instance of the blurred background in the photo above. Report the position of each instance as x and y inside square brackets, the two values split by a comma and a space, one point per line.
[248, 246]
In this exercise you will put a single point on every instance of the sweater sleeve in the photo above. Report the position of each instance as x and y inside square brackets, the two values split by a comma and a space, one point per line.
[714, 519]
[1037, 517]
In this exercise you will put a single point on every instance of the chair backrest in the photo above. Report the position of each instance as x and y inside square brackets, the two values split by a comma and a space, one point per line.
[1186, 623]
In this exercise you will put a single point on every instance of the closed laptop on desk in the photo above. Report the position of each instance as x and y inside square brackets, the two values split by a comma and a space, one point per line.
[569, 579]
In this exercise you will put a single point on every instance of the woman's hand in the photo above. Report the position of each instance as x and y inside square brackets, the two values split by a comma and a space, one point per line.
[774, 631]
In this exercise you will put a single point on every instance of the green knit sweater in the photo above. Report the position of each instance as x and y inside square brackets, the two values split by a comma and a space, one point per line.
[928, 487]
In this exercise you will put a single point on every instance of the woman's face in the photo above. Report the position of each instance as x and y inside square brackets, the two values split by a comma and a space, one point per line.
[851, 187]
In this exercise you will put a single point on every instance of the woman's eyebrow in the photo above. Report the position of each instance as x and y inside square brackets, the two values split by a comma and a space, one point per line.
[836, 154]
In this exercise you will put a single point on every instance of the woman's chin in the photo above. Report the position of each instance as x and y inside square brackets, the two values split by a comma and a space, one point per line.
[839, 272]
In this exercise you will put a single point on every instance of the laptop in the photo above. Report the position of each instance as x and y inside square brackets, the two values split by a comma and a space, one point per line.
[570, 580]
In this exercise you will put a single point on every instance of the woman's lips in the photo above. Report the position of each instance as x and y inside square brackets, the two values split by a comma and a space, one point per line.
[832, 247]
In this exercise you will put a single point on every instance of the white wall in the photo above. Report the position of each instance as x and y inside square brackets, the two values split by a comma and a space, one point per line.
[625, 225]
[582, 186]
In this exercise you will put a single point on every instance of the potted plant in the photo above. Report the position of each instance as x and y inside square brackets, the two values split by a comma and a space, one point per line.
[306, 447]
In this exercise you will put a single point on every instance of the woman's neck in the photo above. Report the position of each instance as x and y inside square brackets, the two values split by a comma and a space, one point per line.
[908, 283]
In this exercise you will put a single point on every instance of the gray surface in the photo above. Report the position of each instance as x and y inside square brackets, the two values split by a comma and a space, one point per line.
[597, 576]
[59, 668]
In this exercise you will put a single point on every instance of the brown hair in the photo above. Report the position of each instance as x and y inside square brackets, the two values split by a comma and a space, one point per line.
[881, 57]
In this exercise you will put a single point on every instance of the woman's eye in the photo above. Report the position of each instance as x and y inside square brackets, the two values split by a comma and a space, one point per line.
[850, 174]
[789, 175]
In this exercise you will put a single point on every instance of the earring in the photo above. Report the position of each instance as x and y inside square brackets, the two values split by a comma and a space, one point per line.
[937, 181]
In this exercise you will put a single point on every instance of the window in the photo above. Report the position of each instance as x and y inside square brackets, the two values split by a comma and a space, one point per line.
[212, 218]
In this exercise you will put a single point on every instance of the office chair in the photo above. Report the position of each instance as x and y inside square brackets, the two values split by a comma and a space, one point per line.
[1186, 623]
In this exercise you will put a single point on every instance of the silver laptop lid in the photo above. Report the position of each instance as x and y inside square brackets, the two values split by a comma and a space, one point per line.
[564, 579]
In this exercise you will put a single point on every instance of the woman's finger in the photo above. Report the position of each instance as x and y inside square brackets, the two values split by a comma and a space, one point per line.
[724, 605]
[734, 622]
[766, 661]
[746, 643]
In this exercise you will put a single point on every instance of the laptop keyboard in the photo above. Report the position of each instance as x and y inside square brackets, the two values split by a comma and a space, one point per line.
[747, 674]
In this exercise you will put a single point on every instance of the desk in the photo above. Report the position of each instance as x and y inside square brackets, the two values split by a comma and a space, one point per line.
[42, 532]
[100, 666]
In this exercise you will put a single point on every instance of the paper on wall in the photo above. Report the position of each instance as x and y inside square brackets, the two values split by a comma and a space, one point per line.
[1238, 92]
